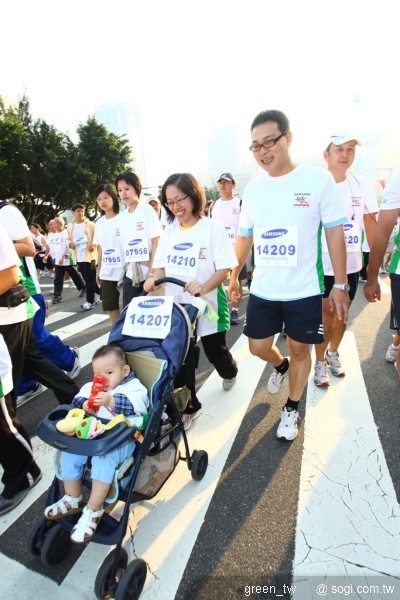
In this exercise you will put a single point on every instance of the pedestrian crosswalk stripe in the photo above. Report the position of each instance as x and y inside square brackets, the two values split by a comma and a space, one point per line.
[58, 316]
[348, 512]
[79, 326]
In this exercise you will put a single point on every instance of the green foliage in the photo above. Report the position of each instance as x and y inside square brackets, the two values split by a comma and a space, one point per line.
[211, 194]
[44, 173]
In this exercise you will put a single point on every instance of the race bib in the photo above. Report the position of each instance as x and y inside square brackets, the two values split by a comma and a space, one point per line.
[231, 231]
[136, 250]
[183, 260]
[276, 247]
[352, 235]
[110, 259]
[148, 317]
[81, 242]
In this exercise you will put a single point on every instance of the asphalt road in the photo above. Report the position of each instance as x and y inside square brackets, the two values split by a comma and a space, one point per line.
[245, 533]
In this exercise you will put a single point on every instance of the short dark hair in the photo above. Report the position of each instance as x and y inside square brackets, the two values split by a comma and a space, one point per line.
[108, 188]
[189, 186]
[130, 178]
[107, 349]
[277, 116]
[76, 206]
[36, 225]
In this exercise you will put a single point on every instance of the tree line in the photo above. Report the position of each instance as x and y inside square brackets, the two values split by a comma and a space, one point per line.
[44, 173]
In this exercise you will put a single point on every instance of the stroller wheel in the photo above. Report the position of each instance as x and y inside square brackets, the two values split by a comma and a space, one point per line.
[132, 581]
[199, 464]
[37, 536]
[103, 588]
[56, 546]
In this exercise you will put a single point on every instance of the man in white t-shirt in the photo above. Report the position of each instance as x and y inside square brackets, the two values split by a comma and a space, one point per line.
[283, 212]
[19, 470]
[80, 234]
[226, 210]
[361, 208]
[389, 213]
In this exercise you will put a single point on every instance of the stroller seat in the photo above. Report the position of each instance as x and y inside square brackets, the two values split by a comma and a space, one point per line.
[156, 363]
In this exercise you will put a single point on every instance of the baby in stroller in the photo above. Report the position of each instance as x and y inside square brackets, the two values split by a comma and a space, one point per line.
[124, 394]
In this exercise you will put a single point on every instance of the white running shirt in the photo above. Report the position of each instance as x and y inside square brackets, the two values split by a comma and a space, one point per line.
[285, 216]
[196, 253]
[358, 200]
[107, 235]
[227, 212]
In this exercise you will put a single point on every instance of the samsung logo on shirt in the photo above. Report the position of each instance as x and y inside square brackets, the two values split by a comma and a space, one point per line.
[185, 246]
[134, 242]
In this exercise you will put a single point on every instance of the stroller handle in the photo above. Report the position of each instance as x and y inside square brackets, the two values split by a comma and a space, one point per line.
[168, 280]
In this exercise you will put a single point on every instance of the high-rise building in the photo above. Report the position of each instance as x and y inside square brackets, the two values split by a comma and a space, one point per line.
[225, 153]
[123, 118]
[223, 148]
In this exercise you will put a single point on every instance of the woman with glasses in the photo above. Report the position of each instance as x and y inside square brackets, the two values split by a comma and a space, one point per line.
[197, 250]
[141, 230]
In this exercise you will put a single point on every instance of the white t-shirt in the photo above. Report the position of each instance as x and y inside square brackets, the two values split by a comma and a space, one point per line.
[39, 241]
[285, 216]
[108, 236]
[80, 239]
[10, 258]
[391, 200]
[227, 212]
[138, 229]
[16, 226]
[59, 248]
[358, 200]
[391, 194]
[196, 253]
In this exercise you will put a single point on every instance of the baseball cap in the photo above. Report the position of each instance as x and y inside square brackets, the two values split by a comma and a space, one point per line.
[153, 199]
[227, 176]
[341, 137]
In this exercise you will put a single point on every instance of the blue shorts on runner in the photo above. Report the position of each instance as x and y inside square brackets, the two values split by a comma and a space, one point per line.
[302, 319]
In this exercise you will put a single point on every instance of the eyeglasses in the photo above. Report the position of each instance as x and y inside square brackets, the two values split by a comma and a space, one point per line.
[176, 201]
[267, 144]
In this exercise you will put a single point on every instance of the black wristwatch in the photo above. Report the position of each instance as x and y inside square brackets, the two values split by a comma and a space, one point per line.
[342, 286]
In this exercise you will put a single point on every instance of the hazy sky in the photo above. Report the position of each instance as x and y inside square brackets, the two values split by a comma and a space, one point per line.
[193, 66]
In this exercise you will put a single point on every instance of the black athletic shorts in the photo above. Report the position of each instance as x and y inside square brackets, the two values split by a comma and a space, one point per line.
[302, 319]
[395, 305]
[352, 278]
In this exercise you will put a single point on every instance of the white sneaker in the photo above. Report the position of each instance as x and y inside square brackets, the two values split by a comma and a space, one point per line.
[320, 375]
[276, 380]
[332, 359]
[48, 304]
[228, 384]
[74, 372]
[391, 353]
[287, 428]
[97, 299]
[87, 306]
[187, 419]
[38, 389]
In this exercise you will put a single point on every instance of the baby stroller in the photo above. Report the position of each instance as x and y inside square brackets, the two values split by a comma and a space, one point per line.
[156, 363]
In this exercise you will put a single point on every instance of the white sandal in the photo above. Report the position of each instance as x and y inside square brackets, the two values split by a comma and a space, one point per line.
[60, 508]
[85, 528]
